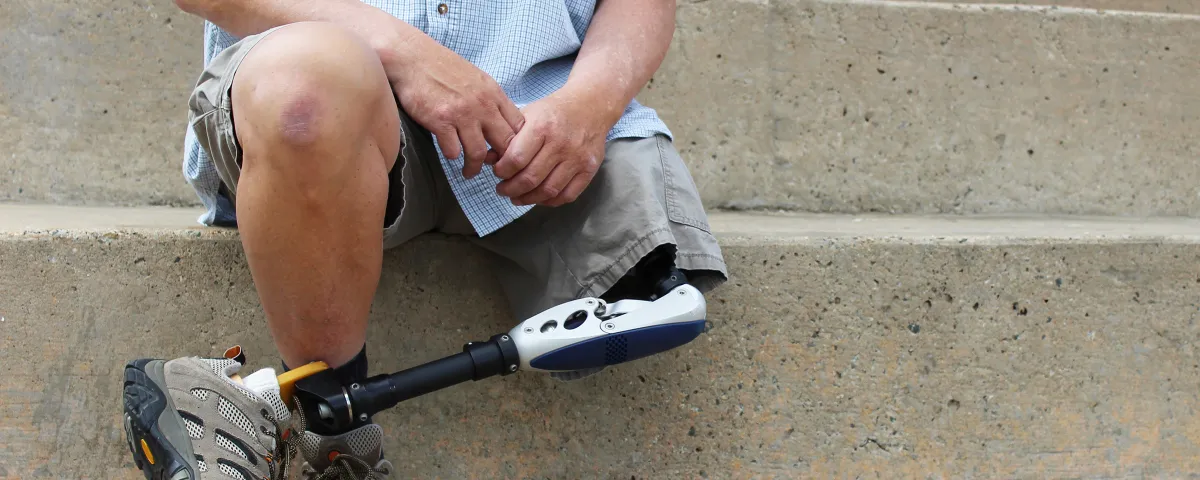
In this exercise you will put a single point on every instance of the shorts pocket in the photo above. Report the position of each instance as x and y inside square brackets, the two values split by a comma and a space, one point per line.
[214, 133]
[684, 205]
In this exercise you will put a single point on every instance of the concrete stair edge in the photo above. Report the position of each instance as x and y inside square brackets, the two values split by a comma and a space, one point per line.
[1035, 6]
[34, 220]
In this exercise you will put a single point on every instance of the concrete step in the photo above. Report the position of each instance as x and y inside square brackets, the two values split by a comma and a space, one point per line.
[841, 106]
[1164, 6]
[844, 346]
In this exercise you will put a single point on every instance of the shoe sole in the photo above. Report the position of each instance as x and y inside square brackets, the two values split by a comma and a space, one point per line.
[154, 431]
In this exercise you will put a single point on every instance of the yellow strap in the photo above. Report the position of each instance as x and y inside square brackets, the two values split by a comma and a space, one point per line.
[287, 380]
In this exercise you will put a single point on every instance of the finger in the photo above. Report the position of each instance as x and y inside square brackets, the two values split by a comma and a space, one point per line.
[521, 150]
[511, 114]
[529, 177]
[573, 190]
[552, 186]
[448, 141]
[498, 133]
[475, 148]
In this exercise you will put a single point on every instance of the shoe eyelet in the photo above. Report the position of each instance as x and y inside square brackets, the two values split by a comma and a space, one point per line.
[265, 414]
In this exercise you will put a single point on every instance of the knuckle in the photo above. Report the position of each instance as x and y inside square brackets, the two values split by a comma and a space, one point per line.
[507, 138]
[592, 165]
[525, 182]
[519, 160]
[444, 112]
[550, 191]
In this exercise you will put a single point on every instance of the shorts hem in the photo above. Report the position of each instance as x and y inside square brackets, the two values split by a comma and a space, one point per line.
[598, 283]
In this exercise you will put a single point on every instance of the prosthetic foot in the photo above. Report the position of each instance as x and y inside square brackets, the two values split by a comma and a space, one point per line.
[590, 333]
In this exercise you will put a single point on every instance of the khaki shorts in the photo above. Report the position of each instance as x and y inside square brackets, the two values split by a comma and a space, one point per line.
[642, 197]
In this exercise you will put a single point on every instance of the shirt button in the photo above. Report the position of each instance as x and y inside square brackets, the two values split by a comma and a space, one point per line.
[443, 8]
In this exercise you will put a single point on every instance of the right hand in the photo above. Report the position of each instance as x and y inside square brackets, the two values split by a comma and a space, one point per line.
[456, 101]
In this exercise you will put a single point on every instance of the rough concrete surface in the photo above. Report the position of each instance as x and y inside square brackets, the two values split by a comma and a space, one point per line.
[883, 353]
[93, 101]
[825, 106]
[1165, 6]
[927, 108]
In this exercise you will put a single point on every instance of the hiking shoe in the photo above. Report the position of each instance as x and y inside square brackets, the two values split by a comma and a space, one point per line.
[354, 455]
[193, 418]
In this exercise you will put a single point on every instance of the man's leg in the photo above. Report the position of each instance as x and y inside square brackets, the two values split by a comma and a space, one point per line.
[304, 137]
[319, 131]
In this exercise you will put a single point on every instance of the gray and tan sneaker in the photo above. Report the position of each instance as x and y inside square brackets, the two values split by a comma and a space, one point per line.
[193, 418]
[354, 455]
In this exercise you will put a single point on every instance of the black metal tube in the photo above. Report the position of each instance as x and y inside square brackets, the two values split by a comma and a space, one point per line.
[382, 392]
[477, 361]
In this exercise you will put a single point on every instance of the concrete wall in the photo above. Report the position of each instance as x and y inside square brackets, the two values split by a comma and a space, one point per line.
[818, 106]
[888, 348]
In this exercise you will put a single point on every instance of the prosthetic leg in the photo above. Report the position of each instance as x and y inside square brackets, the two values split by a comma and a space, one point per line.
[659, 311]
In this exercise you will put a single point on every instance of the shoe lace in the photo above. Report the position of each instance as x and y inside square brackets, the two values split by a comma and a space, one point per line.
[342, 467]
[348, 467]
[285, 445]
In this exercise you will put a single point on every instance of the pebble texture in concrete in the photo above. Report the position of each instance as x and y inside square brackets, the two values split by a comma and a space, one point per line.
[892, 354]
[908, 107]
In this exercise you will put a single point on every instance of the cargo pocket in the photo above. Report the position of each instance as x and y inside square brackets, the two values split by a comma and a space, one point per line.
[698, 252]
[684, 205]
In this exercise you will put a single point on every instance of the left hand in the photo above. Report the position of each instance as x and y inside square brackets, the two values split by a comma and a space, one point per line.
[557, 152]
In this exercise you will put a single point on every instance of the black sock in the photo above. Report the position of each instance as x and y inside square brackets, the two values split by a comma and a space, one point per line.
[351, 372]
[355, 370]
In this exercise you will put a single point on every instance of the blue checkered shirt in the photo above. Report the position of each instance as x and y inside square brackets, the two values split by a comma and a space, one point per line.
[527, 46]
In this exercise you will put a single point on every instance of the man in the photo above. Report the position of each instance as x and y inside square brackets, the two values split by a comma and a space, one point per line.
[330, 130]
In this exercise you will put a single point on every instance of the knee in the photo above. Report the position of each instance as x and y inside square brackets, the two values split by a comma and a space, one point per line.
[307, 85]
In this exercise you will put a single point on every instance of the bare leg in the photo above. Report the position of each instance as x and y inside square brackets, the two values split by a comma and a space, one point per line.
[319, 129]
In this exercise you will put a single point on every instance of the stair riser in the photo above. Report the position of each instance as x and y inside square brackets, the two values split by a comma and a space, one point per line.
[847, 357]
